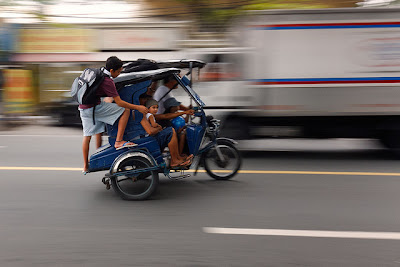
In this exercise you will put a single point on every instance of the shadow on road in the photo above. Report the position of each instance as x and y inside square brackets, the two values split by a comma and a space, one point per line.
[197, 187]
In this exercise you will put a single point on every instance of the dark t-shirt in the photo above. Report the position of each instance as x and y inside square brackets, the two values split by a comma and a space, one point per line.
[165, 123]
[106, 88]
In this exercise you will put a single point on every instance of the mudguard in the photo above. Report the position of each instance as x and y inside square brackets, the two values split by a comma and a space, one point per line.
[128, 154]
[229, 140]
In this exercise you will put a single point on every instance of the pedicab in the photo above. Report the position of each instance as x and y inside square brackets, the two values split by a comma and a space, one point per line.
[133, 172]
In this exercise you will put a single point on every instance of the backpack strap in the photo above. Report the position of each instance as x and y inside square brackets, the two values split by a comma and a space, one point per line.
[165, 95]
[108, 74]
[94, 122]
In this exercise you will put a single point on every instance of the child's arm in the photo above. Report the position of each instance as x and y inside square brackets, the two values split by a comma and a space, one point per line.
[148, 128]
[153, 122]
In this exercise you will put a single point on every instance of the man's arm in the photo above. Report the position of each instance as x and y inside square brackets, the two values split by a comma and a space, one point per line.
[125, 104]
[182, 107]
[170, 116]
[147, 127]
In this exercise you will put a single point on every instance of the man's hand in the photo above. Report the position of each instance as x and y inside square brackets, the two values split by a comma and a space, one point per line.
[189, 112]
[142, 109]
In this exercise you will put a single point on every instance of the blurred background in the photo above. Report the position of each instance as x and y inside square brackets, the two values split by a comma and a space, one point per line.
[280, 74]
[262, 78]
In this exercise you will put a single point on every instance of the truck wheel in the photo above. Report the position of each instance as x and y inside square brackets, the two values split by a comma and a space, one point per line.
[58, 119]
[391, 140]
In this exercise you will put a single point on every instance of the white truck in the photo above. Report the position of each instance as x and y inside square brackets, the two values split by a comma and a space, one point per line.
[331, 73]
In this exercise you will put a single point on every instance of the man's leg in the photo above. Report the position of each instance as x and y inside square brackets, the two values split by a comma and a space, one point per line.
[98, 140]
[123, 121]
[176, 159]
[182, 141]
[85, 150]
[173, 149]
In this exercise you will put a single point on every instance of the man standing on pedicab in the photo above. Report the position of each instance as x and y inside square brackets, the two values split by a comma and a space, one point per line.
[105, 112]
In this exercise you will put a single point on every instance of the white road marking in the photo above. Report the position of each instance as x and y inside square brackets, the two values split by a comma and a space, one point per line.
[303, 233]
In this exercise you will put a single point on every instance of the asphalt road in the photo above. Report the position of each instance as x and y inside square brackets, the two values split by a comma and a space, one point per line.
[344, 192]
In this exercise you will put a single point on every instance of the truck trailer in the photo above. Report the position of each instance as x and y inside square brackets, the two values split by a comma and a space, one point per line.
[329, 73]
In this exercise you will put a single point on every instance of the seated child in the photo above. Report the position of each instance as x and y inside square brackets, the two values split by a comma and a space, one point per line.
[152, 106]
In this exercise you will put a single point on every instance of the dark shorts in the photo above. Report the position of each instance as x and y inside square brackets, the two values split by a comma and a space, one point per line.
[164, 137]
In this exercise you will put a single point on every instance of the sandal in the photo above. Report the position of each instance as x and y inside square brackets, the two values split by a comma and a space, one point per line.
[124, 145]
[190, 157]
[183, 164]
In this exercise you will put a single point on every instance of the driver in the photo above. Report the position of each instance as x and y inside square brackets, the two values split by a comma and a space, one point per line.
[164, 92]
[171, 107]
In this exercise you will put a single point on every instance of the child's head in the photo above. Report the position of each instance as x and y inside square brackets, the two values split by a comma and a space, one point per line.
[152, 105]
[143, 98]
[114, 66]
[171, 105]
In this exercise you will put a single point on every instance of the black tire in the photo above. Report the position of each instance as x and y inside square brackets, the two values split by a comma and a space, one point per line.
[58, 119]
[138, 187]
[231, 155]
[391, 140]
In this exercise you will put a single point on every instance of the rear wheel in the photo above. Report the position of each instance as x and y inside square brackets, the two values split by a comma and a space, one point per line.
[58, 119]
[135, 187]
[391, 140]
[226, 166]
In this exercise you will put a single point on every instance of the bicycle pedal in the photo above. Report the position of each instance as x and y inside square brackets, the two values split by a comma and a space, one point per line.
[179, 177]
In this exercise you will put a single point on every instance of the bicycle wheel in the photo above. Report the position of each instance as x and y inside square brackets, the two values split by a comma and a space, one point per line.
[138, 187]
[226, 167]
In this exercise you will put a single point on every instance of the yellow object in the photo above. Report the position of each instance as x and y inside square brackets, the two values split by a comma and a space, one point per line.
[18, 91]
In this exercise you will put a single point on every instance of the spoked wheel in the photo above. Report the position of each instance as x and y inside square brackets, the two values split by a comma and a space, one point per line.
[135, 187]
[226, 166]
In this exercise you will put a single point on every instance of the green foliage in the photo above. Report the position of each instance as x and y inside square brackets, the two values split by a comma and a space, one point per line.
[294, 4]
[283, 5]
[212, 15]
